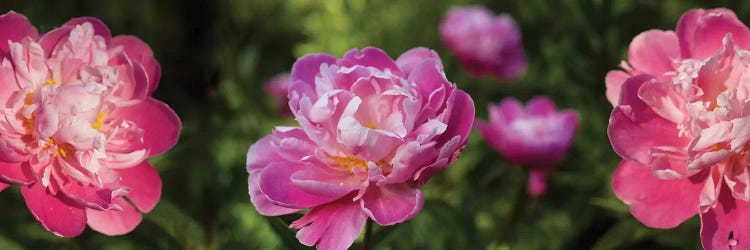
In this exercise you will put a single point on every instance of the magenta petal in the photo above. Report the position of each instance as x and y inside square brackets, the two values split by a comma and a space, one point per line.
[370, 56]
[614, 81]
[654, 51]
[50, 40]
[391, 204]
[655, 202]
[100, 28]
[262, 204]
[139, 51]
[712, 28]
[161, 126]
[728, 218]
[508, 110]
[54, 213]
[90, 196]
[461, 117]
[540, 106]
[14, 28]
[307, 67]
[114, 222]
[144, 183]
[332, 226]
[16, 173]
[410, 59]
[276, 183]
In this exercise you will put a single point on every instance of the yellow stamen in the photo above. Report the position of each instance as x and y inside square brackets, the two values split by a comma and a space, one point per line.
[51, 82]
[62, 149]
[370, 125]
[97, 124]
[351, 162]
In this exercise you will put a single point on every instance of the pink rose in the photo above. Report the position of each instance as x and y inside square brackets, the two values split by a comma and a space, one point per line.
[682, 126]
[78, 123]
[372, 129]
[277, 87]
[484, 43]
[536, 137]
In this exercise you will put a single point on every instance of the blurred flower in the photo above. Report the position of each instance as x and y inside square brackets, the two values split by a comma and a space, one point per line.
[681, 125]
[78, 124]
[536, 137]
[277, 87]
[485, 44]
[372, 129]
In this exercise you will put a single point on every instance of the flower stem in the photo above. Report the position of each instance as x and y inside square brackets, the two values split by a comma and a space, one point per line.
[368, 233]
[519, 203]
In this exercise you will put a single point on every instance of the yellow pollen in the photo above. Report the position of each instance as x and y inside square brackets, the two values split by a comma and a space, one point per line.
[99, 120]
[351, 162]
[62, 149]
[369, 125]
[51, 82]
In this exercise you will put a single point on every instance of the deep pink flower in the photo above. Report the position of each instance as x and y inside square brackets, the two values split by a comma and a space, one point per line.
[78, 123]
[484, 43]
[682, 126]
[372, 129]
[536, 137]
[277, 87]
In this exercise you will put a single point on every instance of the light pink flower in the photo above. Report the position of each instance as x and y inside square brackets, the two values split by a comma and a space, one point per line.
[277, 87]
[78, 123]
[484, 43]
[372, 129]
[536, 137]
[682, 126]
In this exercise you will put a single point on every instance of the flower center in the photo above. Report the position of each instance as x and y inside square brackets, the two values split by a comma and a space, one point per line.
[61, 149]
[352, 162]
[97, 124]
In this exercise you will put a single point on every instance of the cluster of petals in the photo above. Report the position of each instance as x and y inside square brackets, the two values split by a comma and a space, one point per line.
[536, 136]
[681, 123]
[276, 88]
[77, 123]
[371, 130]
[485, 44]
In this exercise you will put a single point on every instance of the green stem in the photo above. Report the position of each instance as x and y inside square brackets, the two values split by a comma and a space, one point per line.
[519, 203]
[368, 233]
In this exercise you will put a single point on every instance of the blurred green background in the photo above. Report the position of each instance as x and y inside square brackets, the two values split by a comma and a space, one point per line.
[216, 55]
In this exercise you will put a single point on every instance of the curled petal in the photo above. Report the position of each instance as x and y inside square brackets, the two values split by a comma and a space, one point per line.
[332, 226]
[114, 222]
[391, 204]
[54, 212]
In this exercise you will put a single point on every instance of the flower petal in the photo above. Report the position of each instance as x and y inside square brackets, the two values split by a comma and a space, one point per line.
[654, 51]
[276, 183]
[655, 202]
[410, 59]
[161, 126]
[54, 212]
[727, 226]
[391, 204]
[15, 28]
[140, 52]
[332, 226]
[100, 28]
[114, 222]
[614, 81]
[372, 57]
[144, 183]
[17, 173]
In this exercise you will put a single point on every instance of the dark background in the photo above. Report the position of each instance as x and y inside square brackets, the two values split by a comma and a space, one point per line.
[215, 56]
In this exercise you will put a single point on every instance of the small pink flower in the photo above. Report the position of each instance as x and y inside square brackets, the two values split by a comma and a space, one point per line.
[277, 87]
[537, 136]
[78, 123]
[372, 129]
[682, 126]
[485, 44]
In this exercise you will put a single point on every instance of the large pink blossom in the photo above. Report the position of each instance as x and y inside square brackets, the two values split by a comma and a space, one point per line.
[536, 137]
[682, 126]
[78, 123]
[485, 44]
[371, 130]
[276, 88]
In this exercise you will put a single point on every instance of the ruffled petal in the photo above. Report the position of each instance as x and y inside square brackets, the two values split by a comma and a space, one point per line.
[727, 226]
[161, 126]
[144, 183]
[410, 59]
[114, 222]
[139, 51]
[391, 204]
[371, 57]
[54, 213]
[15, 28]
[332, 226]
[654, 51]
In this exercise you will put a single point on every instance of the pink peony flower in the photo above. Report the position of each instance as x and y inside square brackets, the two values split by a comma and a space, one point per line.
[78, 123]
[536, 137]
[485, 44]
[277, 87]
[371, 130]
[682, 126]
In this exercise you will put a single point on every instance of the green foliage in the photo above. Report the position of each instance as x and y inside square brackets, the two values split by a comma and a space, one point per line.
[215, 56]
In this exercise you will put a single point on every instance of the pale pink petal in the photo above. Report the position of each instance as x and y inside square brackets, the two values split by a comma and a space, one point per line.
[459, 117]
[686, 30]
[674, 202]
[392, 204]
[114, 222]
[261, 153]
[654, 51]
[7, 82]
[50, 39]
[614, 81]
[100, 28]
[54, 213]
[262, 204]
[326, 182]
[160, 124]
[15, 27]
[307, 67]
[144, 183]
[333, 226]
[727, 226]
[410, 59]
